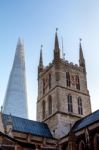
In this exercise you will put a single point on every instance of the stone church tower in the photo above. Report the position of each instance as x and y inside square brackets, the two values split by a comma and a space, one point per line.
[63, 97]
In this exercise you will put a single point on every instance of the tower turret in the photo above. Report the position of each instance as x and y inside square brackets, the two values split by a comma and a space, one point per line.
[56, 48]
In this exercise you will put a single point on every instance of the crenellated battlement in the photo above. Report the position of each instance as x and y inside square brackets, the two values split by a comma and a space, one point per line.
[72, 65]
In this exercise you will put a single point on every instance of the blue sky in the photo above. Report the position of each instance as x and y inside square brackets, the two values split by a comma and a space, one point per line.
[35, 22]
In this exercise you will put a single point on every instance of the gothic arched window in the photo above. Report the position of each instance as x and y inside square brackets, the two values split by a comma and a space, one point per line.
[49, 104]
[43, 109]
[80, 109]
[68, 78]
[69, 99]
[77, 82]
[49, 80]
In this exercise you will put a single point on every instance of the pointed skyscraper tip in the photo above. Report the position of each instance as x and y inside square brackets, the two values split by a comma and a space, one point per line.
[56, 47]
[81, 56]
[15, 101]
[19, 58]
[20, 42]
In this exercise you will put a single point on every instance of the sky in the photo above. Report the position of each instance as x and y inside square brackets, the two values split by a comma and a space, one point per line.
[35, 21]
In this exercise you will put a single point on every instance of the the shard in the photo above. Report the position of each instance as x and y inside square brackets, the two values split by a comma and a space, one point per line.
[15, 101]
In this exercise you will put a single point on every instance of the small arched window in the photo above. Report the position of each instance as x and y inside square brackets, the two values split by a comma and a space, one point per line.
[77, 83]
[68, 79]
[70, 107]
[50, 78]
[49, 104]
[43, 109]
[80, 109]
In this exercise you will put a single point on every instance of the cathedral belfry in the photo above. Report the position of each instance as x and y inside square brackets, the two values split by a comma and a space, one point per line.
[15, 101]
[63, 97]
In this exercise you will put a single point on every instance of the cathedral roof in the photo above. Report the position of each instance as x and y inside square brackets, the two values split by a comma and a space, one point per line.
[86, 121]
[28, 126]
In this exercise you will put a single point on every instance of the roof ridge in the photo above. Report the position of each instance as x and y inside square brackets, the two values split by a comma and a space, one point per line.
[28, 126]
[25, 119]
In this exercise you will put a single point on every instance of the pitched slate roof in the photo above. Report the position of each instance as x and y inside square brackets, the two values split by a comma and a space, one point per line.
[28, 126]
[86, 121]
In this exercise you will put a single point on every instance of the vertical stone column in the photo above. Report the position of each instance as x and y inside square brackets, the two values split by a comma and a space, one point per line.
[72, 142]
[1, 123]
[1, 139]
[18, 147]
[95, 141]
[37, 147]
[15, 147]
[58, 147]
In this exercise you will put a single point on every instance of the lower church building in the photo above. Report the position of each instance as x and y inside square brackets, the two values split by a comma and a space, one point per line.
[64, 117]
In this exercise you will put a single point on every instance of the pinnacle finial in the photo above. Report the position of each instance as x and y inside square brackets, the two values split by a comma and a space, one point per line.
[80, 40]
[56, 47]
[41, 59]
[56, 29]
[80, 46]
[41, 46]
[81, 57]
